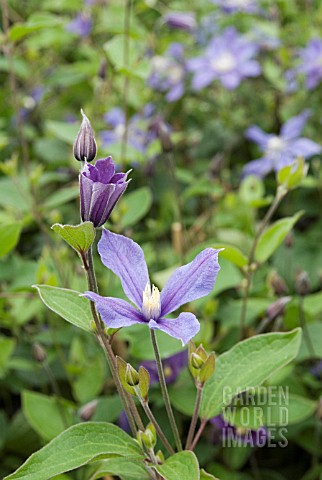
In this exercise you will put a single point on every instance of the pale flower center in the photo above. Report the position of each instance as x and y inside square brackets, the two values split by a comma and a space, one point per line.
[119, 130]
[151, 305]
[275, 145]
[224, 63]
[175, 73]
[237, 3]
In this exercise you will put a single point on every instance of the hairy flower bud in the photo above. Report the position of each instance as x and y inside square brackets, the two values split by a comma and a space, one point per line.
[39, 353]
[85, 144]
[302, 283]
[87, 411]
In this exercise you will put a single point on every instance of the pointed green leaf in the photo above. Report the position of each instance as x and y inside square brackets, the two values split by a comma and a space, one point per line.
[75, 447]
[123, 468]
[292, 175]
[247, 365]
[9, 237]
[233, 254]
[182, 465]
[272, 238]
[79, 237]
[68, 304]
[135, 206]
[206, 476]
[48, 416]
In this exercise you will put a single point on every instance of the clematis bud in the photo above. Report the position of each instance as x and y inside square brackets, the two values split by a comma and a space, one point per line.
[135, 383]
[100, 190]
[201, 365]
[87, 411]
[85, 144]
[148, 438]
[302, 283]
[39, 353]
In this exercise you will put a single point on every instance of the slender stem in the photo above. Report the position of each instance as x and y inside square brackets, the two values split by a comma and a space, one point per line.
[126, 85]
[56, 390]
[198, 434]
[135, 413]
[154, 422]
[165, 391]
[92, 285]
[306, 335]
[250, 268]
[194, 417]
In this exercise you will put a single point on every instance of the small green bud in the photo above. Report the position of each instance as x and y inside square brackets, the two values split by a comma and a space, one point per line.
[148, 438]
[196, 361]
[131, 376]
[159, 457]
[201, 365]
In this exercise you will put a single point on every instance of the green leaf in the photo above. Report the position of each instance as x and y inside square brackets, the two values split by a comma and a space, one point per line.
[314, 331]
[251, 189]
[60, 197]
[79, 237]
[232, 253]
[206, 476]
[135, 206]
[9, 237]
[77, 446]
[247, 365]
[7, 346]
[182, 465]
[292, 175]
[68, 304]
[48, 416]
[123, 468]
[272, 238]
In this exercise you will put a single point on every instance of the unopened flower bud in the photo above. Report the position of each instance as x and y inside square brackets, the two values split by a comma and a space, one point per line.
[39, 353]
[196, 361]
[277, 308]
[85, 144]
[160, 457]
[277, 283]
[302, 283]
[88, 410]
[131, 376]
[148, 438]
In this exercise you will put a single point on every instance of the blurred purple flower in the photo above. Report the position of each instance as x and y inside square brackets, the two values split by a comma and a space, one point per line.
[228, 58]
[100, 190]
[138, 135]
[168, 72]
[316, 370]
[31, 101]
[123, 422]
[81, 25]
[311, 63]
[181, 20]
[126, 259]
[172, 366]
[233, 6]
[224, 431]
[280, 150]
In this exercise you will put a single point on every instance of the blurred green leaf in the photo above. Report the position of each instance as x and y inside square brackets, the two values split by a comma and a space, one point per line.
[134, 206]
[9, 237]
[7, 346]
[68, 304]
[273, 236]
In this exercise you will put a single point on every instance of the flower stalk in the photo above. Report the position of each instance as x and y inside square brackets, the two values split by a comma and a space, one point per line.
[165, 392]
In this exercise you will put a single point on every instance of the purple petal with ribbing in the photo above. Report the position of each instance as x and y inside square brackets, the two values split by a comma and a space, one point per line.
[115, 313]
[114, 198]
[294, 126]
[303, 147]
[126, 259]
[256, 134]
[184, 328]
[105, 168]
[85, 196]
[260, 168]
[192, 281]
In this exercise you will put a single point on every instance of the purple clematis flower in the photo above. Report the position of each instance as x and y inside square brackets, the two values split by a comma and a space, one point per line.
[181, 20]
[81, 25]
[138, 136]
[100, 189]
[126, 259]
[229, 434]
[228, 58]
[280, 150]
[311, 63]
[168, 72]
[172, 366]
[233, 6]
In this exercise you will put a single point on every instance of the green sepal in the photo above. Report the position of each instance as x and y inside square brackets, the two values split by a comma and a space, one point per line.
[123, 374]
[292, 175]
[79, 237]
[144, 382]
[208, 368]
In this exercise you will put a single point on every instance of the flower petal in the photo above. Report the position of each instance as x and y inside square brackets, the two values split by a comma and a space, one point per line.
[256, 134]
[294, 126]
[126, 259]
[304, 147]
[183, 328]
[114, 312]
[192, 281]
[259, 167]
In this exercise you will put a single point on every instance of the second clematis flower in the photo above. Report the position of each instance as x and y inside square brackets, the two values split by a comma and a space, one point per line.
[126, 259]
[100, 189]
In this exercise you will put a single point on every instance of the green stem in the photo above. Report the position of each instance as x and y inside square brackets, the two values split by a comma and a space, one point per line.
[165, 392]
[92, 285]
[194, 417]
[154, 422]
[250, 267]
[306, 335]
[198, 434]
